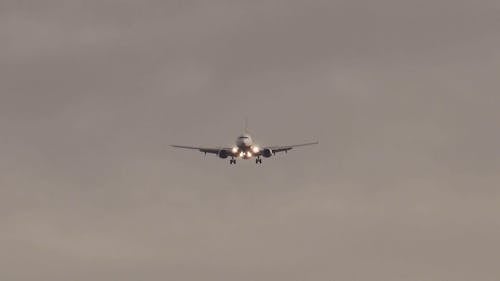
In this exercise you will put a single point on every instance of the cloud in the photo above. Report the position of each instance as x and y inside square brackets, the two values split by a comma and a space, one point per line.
[402, 95]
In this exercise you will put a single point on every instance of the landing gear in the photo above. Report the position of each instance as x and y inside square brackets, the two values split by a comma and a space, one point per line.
[258, 161]
[232, 161]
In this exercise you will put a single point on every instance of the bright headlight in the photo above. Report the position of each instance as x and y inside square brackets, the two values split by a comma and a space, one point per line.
[249, 154]
[235, 150]
[255, 149]
[242, 154]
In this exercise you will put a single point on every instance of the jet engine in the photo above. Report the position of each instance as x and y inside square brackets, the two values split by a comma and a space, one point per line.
[266, 152]
[223, 154]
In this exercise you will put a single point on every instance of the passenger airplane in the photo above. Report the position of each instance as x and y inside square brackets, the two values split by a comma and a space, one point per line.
[245, 148]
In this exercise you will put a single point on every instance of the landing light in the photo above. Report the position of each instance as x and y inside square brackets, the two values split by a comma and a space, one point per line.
[255, 149]
[249, 154]
[242, 154]
[235, 150]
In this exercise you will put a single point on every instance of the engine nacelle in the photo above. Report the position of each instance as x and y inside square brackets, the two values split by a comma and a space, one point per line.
[223, 154]
[266, 152]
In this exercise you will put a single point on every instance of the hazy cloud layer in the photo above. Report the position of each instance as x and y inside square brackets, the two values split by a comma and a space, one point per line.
[403, 95]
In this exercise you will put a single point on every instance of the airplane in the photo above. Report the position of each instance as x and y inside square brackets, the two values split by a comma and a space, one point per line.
[245, 149]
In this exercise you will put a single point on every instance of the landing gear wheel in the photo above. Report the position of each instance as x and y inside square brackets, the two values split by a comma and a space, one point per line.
[258, 161]
[232, 161]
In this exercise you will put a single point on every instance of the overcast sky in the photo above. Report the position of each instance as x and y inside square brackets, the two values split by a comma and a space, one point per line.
[403, 96]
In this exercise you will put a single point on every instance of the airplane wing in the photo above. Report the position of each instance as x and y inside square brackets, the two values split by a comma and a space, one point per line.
[213, 150]
[285, 148]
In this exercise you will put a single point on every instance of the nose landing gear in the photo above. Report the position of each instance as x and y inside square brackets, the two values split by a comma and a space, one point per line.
[258, 161]
[232, 161]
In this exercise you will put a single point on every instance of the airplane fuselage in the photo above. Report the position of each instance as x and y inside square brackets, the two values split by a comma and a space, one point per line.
[245, 147]
[244, 142]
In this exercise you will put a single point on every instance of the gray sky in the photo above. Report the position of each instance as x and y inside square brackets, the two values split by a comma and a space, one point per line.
[403, 95]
